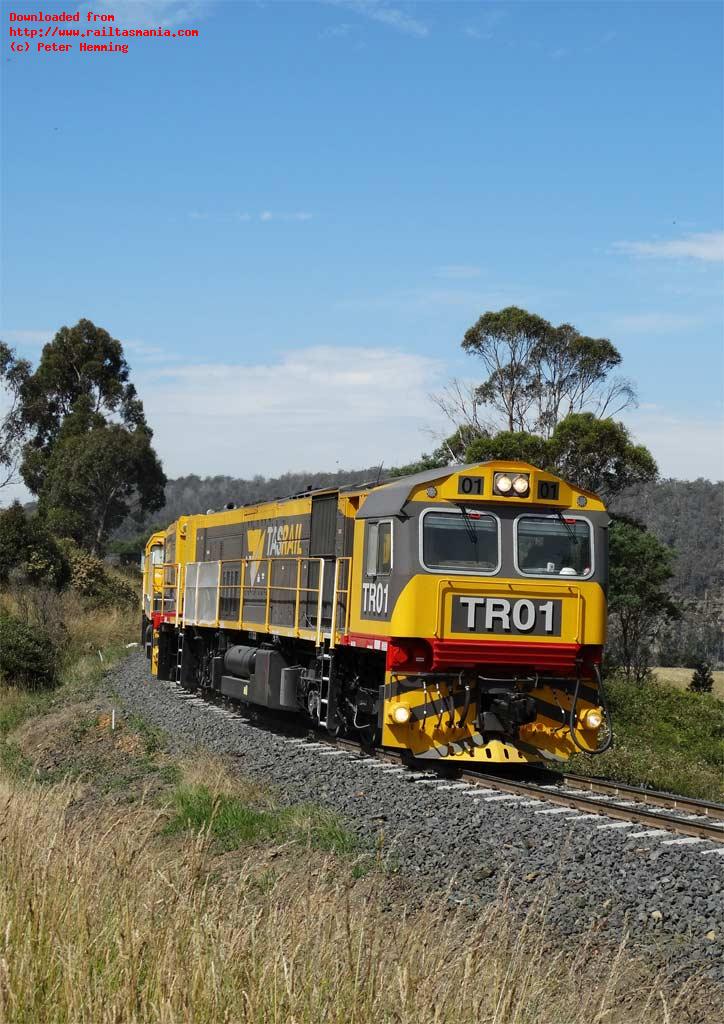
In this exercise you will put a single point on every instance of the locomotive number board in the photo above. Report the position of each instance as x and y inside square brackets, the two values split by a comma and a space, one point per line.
[471, 485]
[506, 616]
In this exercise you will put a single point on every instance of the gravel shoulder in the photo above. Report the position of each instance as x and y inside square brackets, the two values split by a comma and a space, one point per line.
[443, 836]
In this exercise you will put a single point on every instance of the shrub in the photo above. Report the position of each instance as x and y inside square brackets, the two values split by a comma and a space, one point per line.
[664, 738]
[29, 551]
[92, 579]
[702, 680]
[43, 609]
[28, 657]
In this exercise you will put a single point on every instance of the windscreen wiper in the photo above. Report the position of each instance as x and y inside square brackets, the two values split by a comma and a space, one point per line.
[571, 533]
[472, 532]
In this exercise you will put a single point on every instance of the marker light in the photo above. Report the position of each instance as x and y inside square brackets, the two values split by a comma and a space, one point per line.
[520, 485]
[400, 714]
[503, 483]
[592, 719]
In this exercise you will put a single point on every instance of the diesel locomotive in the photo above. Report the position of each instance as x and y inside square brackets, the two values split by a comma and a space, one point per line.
[458, 613]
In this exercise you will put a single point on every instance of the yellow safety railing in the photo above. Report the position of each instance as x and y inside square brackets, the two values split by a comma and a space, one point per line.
[287, 596]
[170, 599]
[157, 588]
[152, 588]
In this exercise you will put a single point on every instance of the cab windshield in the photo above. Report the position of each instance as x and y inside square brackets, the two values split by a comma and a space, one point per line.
[554, 546]
[460, 542]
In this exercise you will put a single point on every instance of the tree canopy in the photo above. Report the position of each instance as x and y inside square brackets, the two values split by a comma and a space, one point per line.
[86, 447]
[28, 549]
[538, 374]
[597, 455]
[81, 382]
[13, 373]
[95, 479]
[550, 390]
[639, 601]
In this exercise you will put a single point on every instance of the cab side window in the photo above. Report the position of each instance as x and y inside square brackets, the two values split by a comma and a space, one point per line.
[379, 549]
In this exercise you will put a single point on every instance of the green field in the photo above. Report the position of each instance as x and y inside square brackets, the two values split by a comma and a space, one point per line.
[680, 678]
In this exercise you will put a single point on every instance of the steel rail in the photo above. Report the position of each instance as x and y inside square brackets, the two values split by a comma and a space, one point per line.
[641, 815]
[648, 796]
[636, 815]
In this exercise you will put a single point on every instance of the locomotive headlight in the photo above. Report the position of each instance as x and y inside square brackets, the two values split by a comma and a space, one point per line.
[502, 484]
[400, 714]
[592, 719]
[520, 485]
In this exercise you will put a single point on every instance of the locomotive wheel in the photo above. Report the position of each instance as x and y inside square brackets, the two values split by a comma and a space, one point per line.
[313, 705]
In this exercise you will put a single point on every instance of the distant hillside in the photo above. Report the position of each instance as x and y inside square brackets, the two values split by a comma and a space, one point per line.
[688, 516]
[189, 495]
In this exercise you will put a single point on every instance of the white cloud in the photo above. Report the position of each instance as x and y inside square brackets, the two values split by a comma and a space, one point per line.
[707, 246]
[29, 344]
[472, 299]
[26, 339]
[336, 31]
[299, 215]
[685, 447]
[307, 410]
[244, 218]
[141, 350]
[476, 33]
[384, 13]
[458, 272]
[154, 13]
[656, 323]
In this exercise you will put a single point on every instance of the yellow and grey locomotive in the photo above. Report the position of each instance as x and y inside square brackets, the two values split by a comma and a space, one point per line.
[458, 613]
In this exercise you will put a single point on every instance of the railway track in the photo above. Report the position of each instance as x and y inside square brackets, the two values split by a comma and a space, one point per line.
[693, 820]
[696, 820]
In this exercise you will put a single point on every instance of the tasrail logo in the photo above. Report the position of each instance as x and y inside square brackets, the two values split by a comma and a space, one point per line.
[255, 546]
[282, 541]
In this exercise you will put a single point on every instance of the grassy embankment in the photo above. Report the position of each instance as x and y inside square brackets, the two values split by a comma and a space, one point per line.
[665, 738]
[141, 888]
[146, 889]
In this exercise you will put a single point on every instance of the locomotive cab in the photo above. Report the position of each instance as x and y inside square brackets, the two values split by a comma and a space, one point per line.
[152, 570]
[488, 595]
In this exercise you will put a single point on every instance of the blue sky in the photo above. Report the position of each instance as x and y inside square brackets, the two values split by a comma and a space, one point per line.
[291, 221]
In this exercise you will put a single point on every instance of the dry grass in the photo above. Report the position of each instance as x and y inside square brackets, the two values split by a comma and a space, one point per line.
[680, 678]
[77, 626]
[88, 640]
[103, 922]
[109, 915]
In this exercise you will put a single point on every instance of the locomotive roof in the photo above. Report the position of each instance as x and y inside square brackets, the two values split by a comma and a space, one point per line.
[389, 499]
[384, 497]
[395, 484]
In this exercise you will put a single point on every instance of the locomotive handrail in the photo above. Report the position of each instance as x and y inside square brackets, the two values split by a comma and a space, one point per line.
[190, 600]
[170, 574]
[320, 604]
